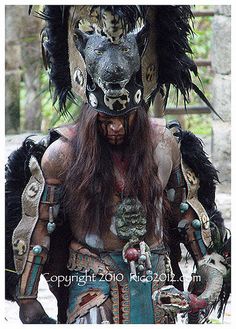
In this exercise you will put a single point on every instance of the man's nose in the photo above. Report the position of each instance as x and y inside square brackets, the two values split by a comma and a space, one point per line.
[116, 126]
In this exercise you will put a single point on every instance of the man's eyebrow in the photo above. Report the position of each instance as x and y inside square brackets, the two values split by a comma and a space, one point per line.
[103, 118]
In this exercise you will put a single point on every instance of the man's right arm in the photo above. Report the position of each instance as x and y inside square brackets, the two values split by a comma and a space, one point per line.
[52, 164]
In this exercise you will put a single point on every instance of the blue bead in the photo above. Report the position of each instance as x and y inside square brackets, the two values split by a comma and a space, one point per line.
[51, 227]
[183, 207]
[196, 223]
[143, 258]
[37, 249]
[171, 194]
[141, 268]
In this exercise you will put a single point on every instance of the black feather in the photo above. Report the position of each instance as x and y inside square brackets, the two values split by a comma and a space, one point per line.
[196, 158]
[128, 14]
[55, 53]
[173, 29]
[205, 100]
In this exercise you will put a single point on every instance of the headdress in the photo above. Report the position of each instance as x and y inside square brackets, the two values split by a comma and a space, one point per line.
[118, 57]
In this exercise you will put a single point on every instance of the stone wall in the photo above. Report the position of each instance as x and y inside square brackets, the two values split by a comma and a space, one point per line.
[221, 64]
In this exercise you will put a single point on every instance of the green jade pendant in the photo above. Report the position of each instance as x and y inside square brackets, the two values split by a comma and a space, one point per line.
[130, 223]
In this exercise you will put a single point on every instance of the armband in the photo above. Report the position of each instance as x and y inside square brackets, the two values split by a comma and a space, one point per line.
[30, 214]
[51, 196]
[28, 283]
[182, 191]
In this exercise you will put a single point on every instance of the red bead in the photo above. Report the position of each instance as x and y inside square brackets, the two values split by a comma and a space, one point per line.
[131, 254]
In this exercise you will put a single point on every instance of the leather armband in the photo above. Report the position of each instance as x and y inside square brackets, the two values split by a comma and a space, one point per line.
[51, 197]
[176, 187]
[28, 283]
[30, 214]
[193, 221]
[51, 194]
[30, 257]
[194, 227]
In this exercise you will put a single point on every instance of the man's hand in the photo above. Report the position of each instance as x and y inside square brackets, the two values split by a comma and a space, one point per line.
[176, 301]
[31, 311]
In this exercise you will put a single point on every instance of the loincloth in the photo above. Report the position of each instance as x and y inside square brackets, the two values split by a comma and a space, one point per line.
[98, 278]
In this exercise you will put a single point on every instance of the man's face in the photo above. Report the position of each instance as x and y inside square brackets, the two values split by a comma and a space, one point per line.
[113, 128]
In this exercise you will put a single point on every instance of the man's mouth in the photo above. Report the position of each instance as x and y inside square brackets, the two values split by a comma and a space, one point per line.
[115, 139]
[115, 136]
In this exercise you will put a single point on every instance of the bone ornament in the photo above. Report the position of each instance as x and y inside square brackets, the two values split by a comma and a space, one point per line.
[173, 300]
[139, 259]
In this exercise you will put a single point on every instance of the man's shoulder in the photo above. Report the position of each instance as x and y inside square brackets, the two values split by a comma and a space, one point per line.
[55, 159]
[165, 143]
[68, 132]
[159, 130]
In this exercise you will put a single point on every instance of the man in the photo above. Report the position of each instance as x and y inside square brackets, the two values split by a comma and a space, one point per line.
[117, 189]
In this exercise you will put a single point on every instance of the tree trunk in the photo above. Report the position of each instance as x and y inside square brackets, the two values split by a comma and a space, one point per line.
[13, 72]
[31, 54]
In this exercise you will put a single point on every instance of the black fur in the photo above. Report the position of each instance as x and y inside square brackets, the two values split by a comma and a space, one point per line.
[55, 46]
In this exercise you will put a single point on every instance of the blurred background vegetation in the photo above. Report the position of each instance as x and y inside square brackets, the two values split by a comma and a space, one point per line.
[28, 100]
[200, 43]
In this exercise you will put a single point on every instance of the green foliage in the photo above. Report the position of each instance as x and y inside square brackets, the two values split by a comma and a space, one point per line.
[200, 42]
[50, 113]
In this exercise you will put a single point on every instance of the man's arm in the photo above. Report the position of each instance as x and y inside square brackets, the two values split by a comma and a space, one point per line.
[190, 224]
[52, 165]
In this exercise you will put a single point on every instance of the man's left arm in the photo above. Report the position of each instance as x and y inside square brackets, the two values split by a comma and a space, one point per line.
[189, 220]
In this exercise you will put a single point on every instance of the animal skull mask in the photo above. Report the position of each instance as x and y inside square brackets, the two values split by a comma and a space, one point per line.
[105, 66]
[118, 57]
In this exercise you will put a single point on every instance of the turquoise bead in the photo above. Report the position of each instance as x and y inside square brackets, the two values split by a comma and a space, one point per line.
[183, 207]
[143, 258]
[196, 223]
[37, 249]
[51, 227]
[141, 268]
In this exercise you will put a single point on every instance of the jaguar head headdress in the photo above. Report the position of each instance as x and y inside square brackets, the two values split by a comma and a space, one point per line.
[117, 57]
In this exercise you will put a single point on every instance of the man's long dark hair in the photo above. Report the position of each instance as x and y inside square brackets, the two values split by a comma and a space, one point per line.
[90, 182]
